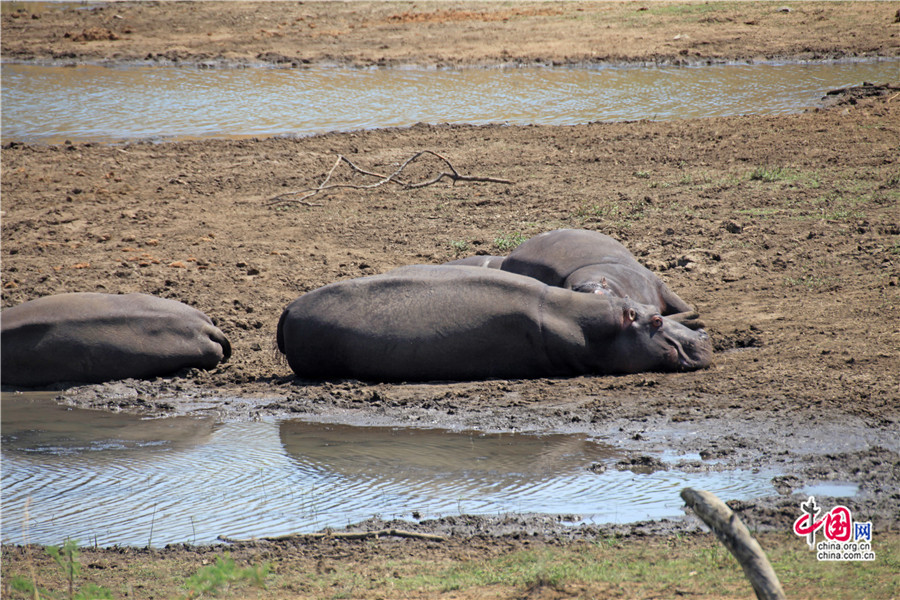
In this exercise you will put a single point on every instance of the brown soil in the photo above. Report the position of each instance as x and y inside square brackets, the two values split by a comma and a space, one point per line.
[450, 33]
[783, 231]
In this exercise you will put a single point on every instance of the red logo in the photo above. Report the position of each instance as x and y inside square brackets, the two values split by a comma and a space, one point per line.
[836, 525]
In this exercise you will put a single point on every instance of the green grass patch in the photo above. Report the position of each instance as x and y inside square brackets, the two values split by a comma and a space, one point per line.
[768, 174]
[785, 175]
[666, 567]
[893, 180]
[508, 242]
[620, 213]
[217, 578]
[459, 247]
[836, 206]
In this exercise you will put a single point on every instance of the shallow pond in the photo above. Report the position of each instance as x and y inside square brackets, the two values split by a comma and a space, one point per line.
[108, 478]
[93, 103]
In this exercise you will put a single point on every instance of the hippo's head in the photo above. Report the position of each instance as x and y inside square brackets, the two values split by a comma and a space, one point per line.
[651, 342]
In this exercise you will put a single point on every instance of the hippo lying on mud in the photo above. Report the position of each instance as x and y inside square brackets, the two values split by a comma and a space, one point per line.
[589, 261]
[438, 322]
[90, 337]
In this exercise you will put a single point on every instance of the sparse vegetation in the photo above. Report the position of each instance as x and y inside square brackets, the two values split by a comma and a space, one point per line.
[689, 565]
[615, 213]
[66, 559]
[893, 180]
[209, 580]
[218, 577]
[508, 242]
[768, 174]
[459, 247]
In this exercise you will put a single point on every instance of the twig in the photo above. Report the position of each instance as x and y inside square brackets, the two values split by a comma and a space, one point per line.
[152, 522]
[734, 535]
[344, 535]
[454, 175]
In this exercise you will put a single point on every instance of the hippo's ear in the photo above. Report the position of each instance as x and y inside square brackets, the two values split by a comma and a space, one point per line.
[590, 287]
[629, 316]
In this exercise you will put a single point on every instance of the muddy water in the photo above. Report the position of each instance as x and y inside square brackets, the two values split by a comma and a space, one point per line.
[92, 103]
[117, 479]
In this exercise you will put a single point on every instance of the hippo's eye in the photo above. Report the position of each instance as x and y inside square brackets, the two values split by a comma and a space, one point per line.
[656, 321]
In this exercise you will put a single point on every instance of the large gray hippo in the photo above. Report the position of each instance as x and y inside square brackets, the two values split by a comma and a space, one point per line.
[589, 261]
[438, 322]
[90, 337]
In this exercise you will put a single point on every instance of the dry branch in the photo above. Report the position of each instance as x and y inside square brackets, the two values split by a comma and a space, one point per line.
[734, 535]
[344, 535]
[325, 186]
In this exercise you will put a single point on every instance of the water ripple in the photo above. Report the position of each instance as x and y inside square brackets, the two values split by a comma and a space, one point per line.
[91, 103]
[201, 480]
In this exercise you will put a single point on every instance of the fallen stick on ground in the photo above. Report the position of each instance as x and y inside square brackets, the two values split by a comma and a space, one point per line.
[343, 535]
[453, 175]
[734, 535]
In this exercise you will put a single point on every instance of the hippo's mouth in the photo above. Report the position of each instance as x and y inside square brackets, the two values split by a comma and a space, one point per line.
[678, 354]
[682, 358]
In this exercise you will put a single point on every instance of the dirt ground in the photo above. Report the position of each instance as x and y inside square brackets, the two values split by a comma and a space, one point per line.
[783, 231]
[449, 33]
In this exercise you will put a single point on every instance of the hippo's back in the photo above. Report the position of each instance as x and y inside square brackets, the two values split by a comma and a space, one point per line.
[93, 337]
[424, 322]
[554, 255]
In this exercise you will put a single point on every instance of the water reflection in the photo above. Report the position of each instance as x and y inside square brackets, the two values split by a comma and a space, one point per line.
[119, 479]
[35, 426]
[436, 471]
[91, 103]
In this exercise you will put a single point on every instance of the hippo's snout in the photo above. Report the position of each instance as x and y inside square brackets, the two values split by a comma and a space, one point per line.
[694, 351]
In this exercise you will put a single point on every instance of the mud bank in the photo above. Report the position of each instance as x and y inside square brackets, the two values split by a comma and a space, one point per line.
[446, 33]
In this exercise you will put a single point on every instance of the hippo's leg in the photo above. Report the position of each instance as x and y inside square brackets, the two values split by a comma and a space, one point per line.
[672, 305]
[690, 319]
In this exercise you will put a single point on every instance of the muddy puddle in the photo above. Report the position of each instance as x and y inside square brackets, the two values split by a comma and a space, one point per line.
[52, 104]
[109, 479]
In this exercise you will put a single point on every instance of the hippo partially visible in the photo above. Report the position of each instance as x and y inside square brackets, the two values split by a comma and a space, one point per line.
[589, 261]
[92, 337]
[487, 261]
[438, 322]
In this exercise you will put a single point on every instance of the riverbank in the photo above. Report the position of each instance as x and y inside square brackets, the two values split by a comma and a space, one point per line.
[464, 569]
[447, 34]
[782, 230]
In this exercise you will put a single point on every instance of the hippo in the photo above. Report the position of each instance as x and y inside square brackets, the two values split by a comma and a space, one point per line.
[487, 261]
[92, 337]
[589, 261]
[438, 322]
